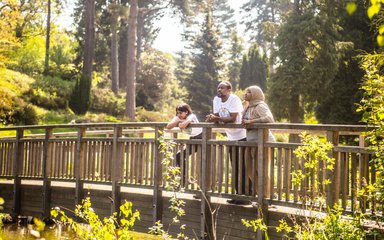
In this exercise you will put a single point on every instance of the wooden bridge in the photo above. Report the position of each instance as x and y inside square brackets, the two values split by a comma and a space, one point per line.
[58, 165]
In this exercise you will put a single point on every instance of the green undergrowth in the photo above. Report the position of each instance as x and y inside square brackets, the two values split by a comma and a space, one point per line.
[116, 226]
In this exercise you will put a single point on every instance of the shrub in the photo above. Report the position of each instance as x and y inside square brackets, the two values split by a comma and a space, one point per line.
[6, 104]
[25, 114]
[105, 101]
[50, 93]
[143, 115]
[108, 228]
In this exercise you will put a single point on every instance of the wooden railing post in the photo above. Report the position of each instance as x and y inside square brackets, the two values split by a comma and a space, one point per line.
[79, 165]
[262, 167]
[332, 189]
[158, 175]
[205, 215]
[117, 169]
[17, 168]
[47, 160]
[364, 174]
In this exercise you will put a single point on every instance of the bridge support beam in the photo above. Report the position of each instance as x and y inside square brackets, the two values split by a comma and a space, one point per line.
[17, 170]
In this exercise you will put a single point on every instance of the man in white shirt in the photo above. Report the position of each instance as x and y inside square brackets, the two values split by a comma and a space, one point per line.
[227, 108]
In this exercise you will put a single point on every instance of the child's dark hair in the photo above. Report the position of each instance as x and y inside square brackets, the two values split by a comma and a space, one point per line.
[183, 107]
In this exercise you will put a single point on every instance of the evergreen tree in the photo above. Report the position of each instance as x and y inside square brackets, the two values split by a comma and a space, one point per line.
[81, 95]
[183, 68]
[262, 20]
[339, 105]
[234, 61]
[224, 18]
[308, 61]
[253, 69]
[207, 65]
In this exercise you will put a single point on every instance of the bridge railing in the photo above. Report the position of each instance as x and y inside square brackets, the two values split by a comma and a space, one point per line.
[127, 154]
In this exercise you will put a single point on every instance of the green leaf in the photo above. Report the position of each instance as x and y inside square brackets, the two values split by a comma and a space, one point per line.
[380, 40]
[351, 7]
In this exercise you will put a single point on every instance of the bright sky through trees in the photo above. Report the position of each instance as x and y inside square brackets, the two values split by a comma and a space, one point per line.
[170, 40]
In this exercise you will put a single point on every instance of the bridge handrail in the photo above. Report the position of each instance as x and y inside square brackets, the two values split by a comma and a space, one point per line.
[75, 155]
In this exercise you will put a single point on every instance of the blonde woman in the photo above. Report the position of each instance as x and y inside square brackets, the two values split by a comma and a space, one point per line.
[256, 111]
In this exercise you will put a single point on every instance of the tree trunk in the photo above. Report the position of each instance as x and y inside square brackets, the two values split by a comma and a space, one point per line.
[89, 38]
[140, 27]
[114, 48]
[47, 40]
[295, 116]
[89, 51]
[130, 100]
[123, 50]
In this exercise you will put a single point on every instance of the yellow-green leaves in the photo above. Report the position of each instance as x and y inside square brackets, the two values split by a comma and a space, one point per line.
[380, 37]
[351, 7]
[374, 8]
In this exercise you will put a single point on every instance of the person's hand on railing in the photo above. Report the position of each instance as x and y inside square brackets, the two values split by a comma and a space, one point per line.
[212, 118]
[245, 122]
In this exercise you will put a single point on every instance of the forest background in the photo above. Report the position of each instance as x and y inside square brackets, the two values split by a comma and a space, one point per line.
[304, 54]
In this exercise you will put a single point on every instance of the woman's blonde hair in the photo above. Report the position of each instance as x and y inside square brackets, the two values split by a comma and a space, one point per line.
[256, 93]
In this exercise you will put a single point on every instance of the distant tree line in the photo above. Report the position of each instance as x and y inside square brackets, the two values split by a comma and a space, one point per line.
[304, 54]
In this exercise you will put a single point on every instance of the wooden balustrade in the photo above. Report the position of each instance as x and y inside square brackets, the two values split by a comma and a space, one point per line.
[127, 154]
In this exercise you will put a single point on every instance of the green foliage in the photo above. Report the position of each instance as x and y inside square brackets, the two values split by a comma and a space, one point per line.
[313, 150]
[105, 101]
[62, 55]
[171, 181]
[253, 69]
[9, 15]
[2, 215]
[13, 109]
[80, 98]
[372, 106]
[50, 92]
[143, 115]
[357, 35]
[29, 58]
[25, 114]
[95, 228]
[154, 81]
[308, 59]
[256, 225]
[331, 225]
[375, 9]
[234, 61]
[207, 66]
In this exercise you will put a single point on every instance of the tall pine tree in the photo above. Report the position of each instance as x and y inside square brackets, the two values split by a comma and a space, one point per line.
[308, 61]
[207, 65]
[234, 61]
[253, 69]
[339, 106]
